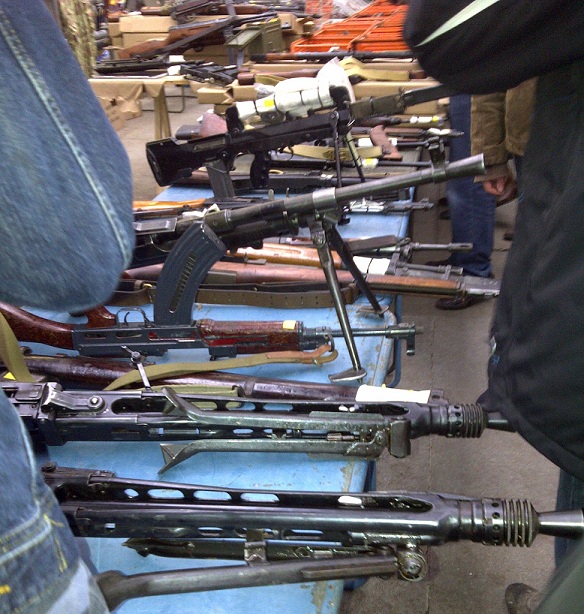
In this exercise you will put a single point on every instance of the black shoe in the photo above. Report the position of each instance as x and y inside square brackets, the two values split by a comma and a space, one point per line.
[522, 599]
[459, 302]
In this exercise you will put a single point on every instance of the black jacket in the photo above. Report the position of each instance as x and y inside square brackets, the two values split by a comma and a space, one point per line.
[492, 45]
[536, 374]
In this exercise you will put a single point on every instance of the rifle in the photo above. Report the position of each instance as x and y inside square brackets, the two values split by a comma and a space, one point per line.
[107, 334]
[228, 282]
[300, 181]
[171, 160]
[213, 423]
[416, 280]
[183, 37]
[389, 252]
[326, 535]
[167, 210]
[179, 39]
[80, 372]
[199, 69]
[185, 12]
[375, 247]
[326, 56]
[201, 244]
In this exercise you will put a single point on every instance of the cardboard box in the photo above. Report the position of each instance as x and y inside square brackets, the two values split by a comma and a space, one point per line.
[242, 92]
[116, 43]
[213, 95]
[220, 109]
[136, 29]
[145, 23]
[113, 113]
[130, 39]
[113, 28]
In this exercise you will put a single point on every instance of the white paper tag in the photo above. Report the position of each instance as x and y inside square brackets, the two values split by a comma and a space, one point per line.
[375, 266]
[380, 394]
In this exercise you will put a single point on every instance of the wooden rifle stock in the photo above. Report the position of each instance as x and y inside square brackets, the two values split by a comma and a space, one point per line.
[153, 208]
[28, 327]
[240, 273]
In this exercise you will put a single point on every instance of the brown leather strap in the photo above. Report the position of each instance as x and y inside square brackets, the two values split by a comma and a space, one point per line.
[328, 153]
[299, 295]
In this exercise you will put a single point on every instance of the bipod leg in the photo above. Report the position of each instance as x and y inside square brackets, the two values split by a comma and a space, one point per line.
[336, 241]
[355, 156]
[337, 146]
[318, 236]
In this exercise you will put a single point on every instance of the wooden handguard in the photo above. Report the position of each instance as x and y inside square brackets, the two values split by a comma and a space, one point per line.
[379, 137]
[251, 337]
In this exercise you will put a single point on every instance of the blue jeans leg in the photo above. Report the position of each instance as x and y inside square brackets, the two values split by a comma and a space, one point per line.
[472, 210]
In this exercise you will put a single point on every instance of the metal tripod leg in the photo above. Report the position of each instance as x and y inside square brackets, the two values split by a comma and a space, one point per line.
[337, 243]
[318, 236]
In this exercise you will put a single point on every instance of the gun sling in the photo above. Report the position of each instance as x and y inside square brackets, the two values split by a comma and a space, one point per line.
[11, 355]
[323, 354]
[289, 295]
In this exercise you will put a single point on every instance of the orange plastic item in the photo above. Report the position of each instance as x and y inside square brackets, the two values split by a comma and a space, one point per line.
[377, 27]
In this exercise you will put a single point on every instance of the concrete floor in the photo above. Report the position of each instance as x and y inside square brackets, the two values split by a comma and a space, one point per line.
[451, 355]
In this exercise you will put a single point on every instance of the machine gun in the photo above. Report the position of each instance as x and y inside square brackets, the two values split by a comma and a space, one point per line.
[215, 423]
[315, 536]
[171, 160]
[199, 70]
[201, 244]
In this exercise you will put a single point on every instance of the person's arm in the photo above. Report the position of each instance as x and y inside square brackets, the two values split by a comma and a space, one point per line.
[488, 136]
[65, 180]
[483, 46]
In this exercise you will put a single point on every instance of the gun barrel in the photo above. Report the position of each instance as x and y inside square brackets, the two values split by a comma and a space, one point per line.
[124, 508]
[561, 524]
[333, 198]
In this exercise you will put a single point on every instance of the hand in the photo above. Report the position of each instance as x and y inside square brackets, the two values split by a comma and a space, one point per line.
[502, 187]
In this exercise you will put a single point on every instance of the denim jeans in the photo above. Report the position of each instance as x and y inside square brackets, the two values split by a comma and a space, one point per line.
[65, 234]
[472, 210]
[66, 188]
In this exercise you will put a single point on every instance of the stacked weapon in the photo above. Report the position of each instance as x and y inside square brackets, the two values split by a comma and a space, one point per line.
[81, 372]
[213, 423]
[320, 211]
[284, 536]
[200, 244]
[252, 276]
